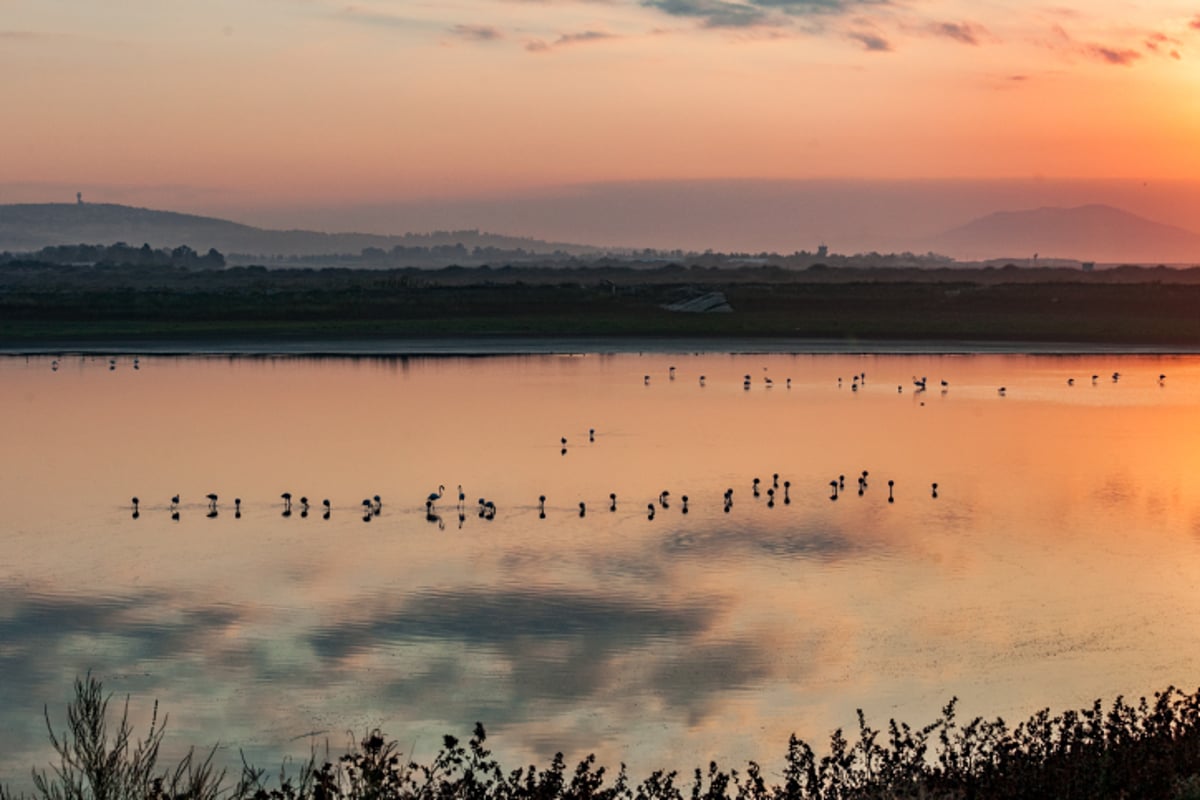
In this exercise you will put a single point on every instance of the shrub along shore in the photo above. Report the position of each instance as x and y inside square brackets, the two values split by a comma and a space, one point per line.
[1148, 750]
[40, 304]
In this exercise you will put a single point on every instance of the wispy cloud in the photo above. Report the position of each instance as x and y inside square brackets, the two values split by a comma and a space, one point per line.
[713, 13]
[1116, 55]
[1195, 23]
[965, 32]
[871, 41]
[1112, 55]
[25, 36]
[477, 33]
[568, 39]
[1163, 44]
[367, 16]
[755, 13]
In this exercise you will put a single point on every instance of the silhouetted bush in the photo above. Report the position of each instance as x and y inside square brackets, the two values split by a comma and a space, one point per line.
[1149, 750]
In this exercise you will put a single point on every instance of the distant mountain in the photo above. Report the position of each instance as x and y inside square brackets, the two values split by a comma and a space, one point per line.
[26, 227]
[1089, 233]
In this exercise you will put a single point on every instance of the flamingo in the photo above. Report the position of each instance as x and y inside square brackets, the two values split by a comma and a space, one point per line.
[651, 514]
[613, 498]
[833, 485]
[435, 496]
[663, 498]
[287, 499]
[685, 502]
[212, 501]
[462, 497]
[787, 486]
[175, 501]
[935, 491]
[582, 508]
[755, 484]
[891, 499]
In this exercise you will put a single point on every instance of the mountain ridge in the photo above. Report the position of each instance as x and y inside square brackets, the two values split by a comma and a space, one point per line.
[31, 226]
[1090, 232]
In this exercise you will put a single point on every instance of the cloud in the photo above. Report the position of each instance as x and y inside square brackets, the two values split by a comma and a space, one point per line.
[964, 32]
[1164, 45]
[872, 42]
[477, 33]
[568, 39]
[1195, 23]
[1111, 55]
[26, 36]
[713, 13]
[755, 13]
[365, 16]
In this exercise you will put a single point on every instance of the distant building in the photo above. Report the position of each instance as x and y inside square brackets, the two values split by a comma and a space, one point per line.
[79, 198]
[1088, 266]
[822, 251]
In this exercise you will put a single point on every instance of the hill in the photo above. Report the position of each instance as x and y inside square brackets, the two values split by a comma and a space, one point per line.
[1090, 233]
[25, 227]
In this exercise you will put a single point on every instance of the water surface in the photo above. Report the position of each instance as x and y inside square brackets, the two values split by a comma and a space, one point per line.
[1058, 563]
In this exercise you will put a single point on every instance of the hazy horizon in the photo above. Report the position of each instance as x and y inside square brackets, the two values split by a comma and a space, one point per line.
[749, 215]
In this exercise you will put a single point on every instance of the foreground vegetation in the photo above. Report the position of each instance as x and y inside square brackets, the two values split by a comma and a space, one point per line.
[71, 305]
[1148, 750]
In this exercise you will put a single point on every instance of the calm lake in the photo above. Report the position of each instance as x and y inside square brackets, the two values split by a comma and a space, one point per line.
[1058, 563]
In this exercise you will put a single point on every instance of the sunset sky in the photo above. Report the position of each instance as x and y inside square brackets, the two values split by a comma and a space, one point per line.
[255, 105]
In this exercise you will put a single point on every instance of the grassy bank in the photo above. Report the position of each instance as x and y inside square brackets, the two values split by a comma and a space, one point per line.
[1149, 307]
[1146, 750]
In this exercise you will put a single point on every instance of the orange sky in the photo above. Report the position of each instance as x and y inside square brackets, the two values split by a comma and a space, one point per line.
[293, 102]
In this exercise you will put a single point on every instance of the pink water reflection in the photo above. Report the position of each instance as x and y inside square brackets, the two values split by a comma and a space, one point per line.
[1058, 564]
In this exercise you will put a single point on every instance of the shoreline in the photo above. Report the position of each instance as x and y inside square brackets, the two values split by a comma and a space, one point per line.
[472, 347]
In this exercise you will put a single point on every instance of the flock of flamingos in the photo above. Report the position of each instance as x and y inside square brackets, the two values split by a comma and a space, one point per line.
[372, 507]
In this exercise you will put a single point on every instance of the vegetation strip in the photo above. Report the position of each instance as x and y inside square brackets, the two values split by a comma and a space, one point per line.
[1148, 750]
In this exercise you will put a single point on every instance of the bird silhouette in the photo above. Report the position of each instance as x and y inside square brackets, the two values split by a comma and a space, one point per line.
[435, 496]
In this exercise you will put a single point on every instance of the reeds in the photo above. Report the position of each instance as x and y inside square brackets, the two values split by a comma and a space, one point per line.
[1147, 750]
